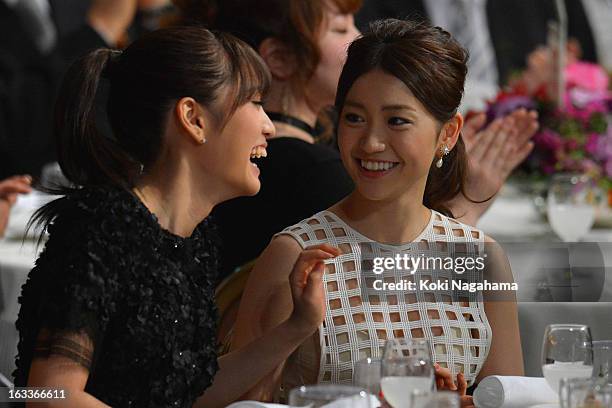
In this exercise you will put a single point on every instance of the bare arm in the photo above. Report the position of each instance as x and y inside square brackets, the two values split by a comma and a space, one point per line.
[282, 305]
[506, 355]
[66, 367]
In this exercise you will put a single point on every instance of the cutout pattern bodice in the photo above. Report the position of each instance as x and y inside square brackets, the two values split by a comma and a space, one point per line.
[359, 320]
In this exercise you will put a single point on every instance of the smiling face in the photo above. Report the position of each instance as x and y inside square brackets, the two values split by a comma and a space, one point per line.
[229, 153]
[387, 138]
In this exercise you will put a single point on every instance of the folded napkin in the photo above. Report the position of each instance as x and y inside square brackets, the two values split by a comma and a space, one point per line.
[513, 392]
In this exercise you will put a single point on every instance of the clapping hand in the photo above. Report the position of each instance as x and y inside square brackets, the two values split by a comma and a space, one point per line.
[306, 282]
[494, 151]
[10, 188]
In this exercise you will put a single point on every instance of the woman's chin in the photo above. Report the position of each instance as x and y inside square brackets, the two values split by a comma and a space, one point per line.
[373, 194]
[252, 187]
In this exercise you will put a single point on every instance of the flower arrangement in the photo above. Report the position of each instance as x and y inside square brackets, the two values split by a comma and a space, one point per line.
[574, 138]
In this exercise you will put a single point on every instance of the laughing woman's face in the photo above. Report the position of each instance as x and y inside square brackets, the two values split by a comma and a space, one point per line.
[387, 139]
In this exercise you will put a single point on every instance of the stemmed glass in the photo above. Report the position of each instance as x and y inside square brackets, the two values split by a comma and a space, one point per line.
[572, 201]
[406, 366]
[440, 399]
[329, 395]
[366, 374]
[566, 353]
[584, 393]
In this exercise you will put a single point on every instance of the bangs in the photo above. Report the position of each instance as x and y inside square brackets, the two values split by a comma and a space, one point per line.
[348, 6]
[248, 72]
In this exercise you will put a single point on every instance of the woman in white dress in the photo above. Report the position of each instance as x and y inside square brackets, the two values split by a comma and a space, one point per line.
[399, 140]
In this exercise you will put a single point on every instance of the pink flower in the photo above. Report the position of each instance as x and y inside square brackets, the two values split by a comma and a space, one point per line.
[548, 139]
[593, 101]
[592, 143]
[608, 168]
[586, 75]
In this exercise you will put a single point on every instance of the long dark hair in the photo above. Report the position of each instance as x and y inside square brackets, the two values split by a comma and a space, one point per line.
[433, 66]
[144, 82]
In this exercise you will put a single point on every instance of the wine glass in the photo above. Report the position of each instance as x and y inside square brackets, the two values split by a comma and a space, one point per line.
[566, 353]
[584, 393]
[406, 366]
[439, 399]
[602, 360]
[329, 395]
[366, 374]
[572, 201]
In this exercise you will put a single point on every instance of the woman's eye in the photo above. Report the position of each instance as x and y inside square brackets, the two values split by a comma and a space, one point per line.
[258, 102]
[352, 118]
[395, 121]
[340, 30]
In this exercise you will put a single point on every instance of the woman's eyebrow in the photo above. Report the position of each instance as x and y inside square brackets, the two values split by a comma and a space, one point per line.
[354, 104]
[398, 107]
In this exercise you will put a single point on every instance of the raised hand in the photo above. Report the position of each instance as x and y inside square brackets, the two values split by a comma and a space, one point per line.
[496, 150]
[306, 282]
[10, 188]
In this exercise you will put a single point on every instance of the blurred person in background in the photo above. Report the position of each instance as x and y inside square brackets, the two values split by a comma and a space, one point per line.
[304, 46]
[488, 29]
[34, 55]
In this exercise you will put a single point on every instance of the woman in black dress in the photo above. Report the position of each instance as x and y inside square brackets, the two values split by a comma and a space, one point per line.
[119, 308]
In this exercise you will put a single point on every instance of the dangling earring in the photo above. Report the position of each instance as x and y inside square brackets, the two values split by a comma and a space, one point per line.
[440, 161]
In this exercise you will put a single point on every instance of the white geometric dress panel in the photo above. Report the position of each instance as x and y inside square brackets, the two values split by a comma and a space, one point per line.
[359, 320]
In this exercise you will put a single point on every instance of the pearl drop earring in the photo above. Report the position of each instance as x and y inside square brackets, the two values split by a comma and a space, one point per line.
[440, 161]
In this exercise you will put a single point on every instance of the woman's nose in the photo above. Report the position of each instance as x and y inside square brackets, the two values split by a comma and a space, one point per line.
[268, 128]
[370, 143]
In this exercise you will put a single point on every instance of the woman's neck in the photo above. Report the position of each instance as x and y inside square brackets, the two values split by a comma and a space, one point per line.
[177, 204]
[289, 104]
[391, 222]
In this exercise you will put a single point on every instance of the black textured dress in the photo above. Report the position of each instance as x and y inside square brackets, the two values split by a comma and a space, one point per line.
[142, 294]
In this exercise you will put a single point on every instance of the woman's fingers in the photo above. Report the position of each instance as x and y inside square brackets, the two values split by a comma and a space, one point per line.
[526, 125]
[517, 157]
[315, 281]
[15, 185]
[461, 384]
[445, 376]
[485, 138]
[467, 401]
[499, 140]
[470, 131]
[308, 259]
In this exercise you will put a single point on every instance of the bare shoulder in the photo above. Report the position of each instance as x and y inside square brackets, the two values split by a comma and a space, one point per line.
[279, 256]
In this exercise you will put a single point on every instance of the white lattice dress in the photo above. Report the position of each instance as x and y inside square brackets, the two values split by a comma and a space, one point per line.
[357, 322]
